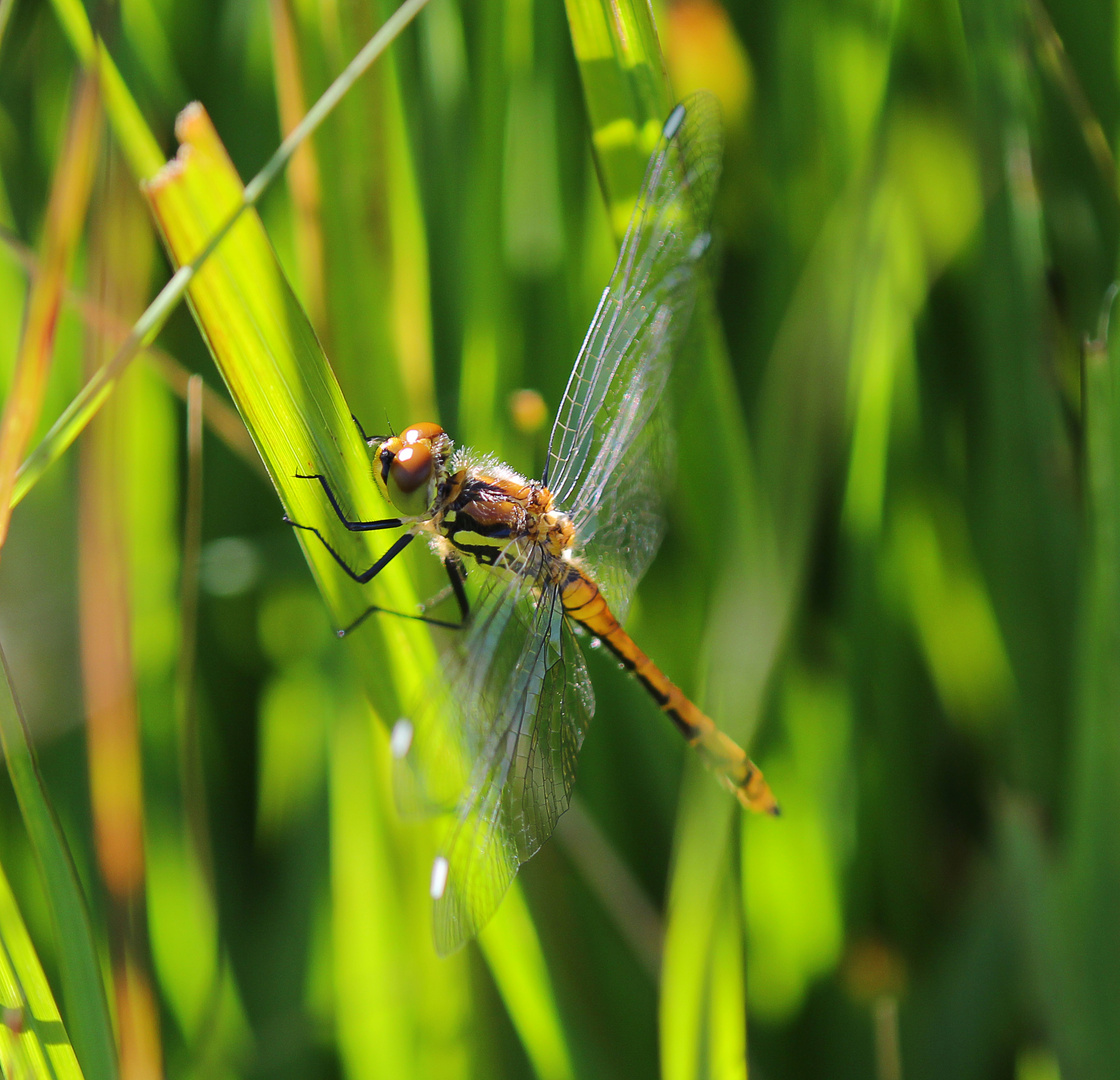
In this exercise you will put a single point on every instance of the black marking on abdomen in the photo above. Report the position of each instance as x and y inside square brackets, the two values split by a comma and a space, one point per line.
[463, 522]
[623, 659]
[661, 699]
[689, 731]
[628, 663]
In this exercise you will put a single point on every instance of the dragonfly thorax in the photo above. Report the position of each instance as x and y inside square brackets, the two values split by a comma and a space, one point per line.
[411, 467]
[495, 516]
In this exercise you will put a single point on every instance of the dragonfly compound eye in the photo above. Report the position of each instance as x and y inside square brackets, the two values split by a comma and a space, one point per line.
[411, 468]
[423, 432]
[409, 473]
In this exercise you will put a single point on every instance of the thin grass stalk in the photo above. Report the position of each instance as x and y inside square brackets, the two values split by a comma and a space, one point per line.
[622, 896]
[1055, 60]
[79, 412]
[222, 420]
[190, 759]
[135, 140]
[303, 177]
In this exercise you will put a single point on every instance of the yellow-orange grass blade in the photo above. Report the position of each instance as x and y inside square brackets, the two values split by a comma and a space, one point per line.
[66, 212]
[120, 258]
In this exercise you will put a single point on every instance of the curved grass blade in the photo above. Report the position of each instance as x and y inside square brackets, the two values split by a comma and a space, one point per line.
[33, 1040]
[284, 389]
[88, 1011]
[294, 410]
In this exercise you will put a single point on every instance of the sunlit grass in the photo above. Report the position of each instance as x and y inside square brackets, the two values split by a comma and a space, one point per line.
[890, 568]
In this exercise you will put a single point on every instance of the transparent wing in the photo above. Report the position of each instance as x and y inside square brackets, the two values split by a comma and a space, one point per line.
[621, 533]
[532, 705]
[436, 747]
[609, 439]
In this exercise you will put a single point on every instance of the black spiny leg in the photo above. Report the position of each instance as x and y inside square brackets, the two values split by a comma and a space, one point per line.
[451, 564]
[369, 440]
[353, 526]
[455, 572]
[458, 576]
[364, 576]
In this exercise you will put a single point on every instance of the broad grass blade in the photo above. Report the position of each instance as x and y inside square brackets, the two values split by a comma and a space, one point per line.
[283, 387]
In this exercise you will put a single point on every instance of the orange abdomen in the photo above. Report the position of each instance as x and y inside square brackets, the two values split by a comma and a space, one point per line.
[584, 602]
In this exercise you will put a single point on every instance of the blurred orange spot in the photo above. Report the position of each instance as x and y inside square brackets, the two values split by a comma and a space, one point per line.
[528, 410]
[138, 1022]
[704, 52]
[873, 969]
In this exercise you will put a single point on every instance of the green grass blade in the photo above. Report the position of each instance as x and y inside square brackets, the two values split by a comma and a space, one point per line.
[33, 1040]
[294, 410]
[284, 388]
[91, 1029]
[627, 92]
[628, 97]
[701, 873]
[513, 951]
[1088, 1013]
[132, 132]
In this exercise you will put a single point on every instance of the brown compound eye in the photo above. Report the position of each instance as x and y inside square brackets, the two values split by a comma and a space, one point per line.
[422, 432]
[411, 468]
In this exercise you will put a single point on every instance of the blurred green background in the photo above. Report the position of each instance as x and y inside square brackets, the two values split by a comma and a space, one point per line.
[892, 565]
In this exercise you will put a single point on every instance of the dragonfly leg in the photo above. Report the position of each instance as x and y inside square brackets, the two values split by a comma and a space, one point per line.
[457, 575]
[362, 577]
[369, 440]
[353, 526]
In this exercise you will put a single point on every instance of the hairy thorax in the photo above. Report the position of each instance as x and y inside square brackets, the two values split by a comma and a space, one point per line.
[487, 516]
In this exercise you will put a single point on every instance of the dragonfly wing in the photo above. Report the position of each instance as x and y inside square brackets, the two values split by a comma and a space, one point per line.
[620, 532]
[602, 456]
[523, 778]
[435, 748]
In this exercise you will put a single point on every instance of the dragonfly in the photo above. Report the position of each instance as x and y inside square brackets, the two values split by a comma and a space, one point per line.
[559, 557]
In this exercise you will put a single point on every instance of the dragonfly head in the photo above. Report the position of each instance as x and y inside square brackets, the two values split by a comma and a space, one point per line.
[410, 466]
